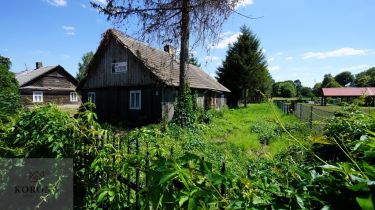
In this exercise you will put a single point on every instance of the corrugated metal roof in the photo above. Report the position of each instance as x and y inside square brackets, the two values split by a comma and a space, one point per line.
[349, 91]
[26, 76]
[165, 67]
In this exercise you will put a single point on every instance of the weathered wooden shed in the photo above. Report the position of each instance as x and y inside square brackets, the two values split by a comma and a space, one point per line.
[50, 84]
[130, 81]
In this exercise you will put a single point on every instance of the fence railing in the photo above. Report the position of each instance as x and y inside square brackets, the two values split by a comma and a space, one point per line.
[137, 177]
[315, 117]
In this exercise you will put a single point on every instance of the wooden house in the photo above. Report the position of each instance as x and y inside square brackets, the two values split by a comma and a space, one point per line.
[50, 84]
[130, 81]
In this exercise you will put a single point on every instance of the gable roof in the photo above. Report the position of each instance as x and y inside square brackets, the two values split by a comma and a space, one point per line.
[349, 91]
[27, 76]
[163, 65]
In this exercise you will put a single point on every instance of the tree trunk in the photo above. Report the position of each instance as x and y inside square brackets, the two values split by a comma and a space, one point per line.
[184, 53]
[245, 96]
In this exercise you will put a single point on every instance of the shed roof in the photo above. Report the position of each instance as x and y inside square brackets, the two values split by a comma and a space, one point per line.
[27, 76]
[349, 91]
[164, 65]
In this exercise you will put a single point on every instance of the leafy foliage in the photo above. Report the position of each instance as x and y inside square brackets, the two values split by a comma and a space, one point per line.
[365, 78]
[9, 95]
[285, 89]
[184, 114]
[82, 67]
[345, 78]
[329, 82]
[192, 175]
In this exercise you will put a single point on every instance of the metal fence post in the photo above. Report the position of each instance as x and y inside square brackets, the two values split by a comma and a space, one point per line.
[311, 116]
[300, 111]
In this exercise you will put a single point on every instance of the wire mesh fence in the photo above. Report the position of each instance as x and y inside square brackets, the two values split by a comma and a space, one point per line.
[315, 117]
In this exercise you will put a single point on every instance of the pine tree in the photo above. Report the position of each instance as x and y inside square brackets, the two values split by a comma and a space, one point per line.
[244, 70]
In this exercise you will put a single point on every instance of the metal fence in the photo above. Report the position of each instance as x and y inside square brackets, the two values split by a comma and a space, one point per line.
[314, 116]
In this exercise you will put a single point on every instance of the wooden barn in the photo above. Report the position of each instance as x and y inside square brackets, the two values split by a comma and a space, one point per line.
[130, 81]
[50, 84]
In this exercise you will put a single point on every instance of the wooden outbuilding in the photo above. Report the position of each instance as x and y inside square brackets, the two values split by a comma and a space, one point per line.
[130, 81]
[50, 84]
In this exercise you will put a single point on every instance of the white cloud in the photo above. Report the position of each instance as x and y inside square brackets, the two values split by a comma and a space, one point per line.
[69, 30]
[264, 50]
[270, 59]
[335, 53]
[280, 53]
[211, 58]
[226, 41]
[57, 3]
[83, 6]
[356, 69]
[244, 3]
[101, 1]
[274, 68]
[224, 34]
[290, 58]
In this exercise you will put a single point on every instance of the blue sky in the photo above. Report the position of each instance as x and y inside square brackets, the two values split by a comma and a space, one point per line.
[302, 39]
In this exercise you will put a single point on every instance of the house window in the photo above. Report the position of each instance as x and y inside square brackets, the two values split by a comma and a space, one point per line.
[91, 96]
[135, 100]
[37, 96]
[73, 97]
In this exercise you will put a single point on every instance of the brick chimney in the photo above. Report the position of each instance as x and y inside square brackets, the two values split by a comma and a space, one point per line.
[170, 49]
[38, 65]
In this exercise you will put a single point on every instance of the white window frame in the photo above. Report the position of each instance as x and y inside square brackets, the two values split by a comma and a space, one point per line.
[37, 96]
[132, 96]
[91, 97]
[73, 97]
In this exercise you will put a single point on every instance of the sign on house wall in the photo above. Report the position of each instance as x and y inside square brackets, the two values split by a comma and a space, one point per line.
[119, 67]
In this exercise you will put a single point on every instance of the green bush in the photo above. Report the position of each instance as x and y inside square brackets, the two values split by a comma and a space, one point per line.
[9, 95]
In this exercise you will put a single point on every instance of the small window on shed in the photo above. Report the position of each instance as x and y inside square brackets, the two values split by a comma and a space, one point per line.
[135, 99]
[37, 96]
[91, 97]
[73, 97]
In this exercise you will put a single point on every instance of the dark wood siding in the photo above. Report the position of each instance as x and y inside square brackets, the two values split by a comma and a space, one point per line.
[101, 74]
[55, 78]
[59, 98]
[112, 104]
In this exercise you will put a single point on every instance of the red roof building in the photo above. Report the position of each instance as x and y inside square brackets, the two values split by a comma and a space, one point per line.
[349, 91]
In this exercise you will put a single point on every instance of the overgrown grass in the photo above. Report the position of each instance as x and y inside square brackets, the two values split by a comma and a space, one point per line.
[335, 108]
[235, 127]
[234, 136]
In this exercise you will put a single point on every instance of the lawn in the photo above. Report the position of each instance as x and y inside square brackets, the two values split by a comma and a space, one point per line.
[235, 127]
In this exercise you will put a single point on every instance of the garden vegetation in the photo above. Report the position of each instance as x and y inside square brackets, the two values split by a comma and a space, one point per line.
[243, 158]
